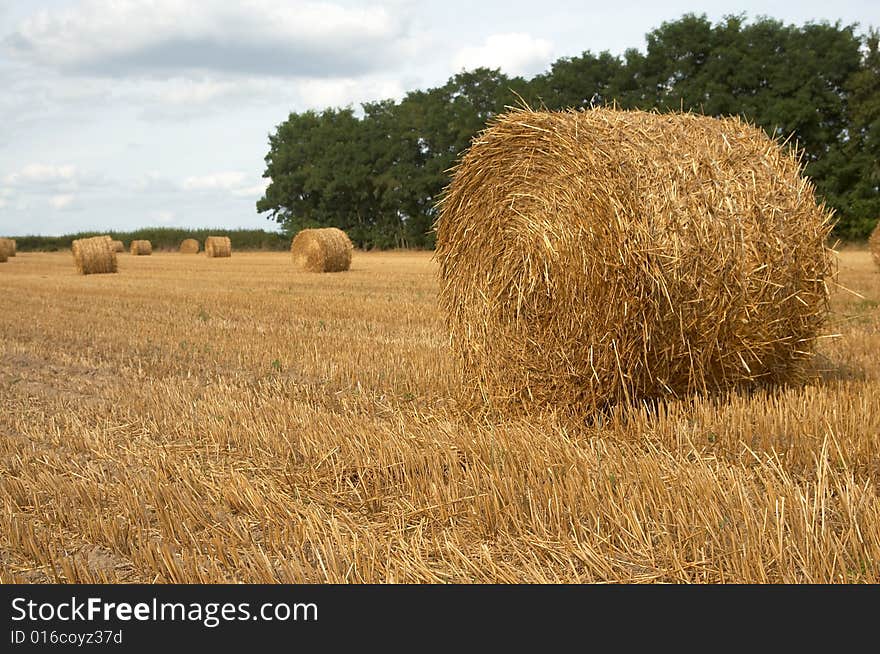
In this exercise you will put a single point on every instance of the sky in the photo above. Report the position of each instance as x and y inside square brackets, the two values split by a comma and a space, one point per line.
[120, 114]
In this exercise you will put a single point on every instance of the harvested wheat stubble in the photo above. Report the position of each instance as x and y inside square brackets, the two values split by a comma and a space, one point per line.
[593, 257]
[141, 248]
[118, 246]
[874, 244]
[94, 255]
[322, 250]
[218, 246]
[189, 246]
[7, 247]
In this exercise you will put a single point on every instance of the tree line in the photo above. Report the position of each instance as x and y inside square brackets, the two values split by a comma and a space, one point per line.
[378, 173]
[162, 238]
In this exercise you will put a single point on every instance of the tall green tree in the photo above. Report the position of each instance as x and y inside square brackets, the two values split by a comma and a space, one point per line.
[580, 82]
[379, 174]
[789, 80]
[850, 172]
[445, 119]
[321, 175]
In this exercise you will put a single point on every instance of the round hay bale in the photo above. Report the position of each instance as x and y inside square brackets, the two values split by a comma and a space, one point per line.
[94, 255]
[118, 246]
[7, 246]
[3, 256]
[218, 246]
[141, 248]
[874, 244]
[588, 258]
[322, 250]
[189, 246]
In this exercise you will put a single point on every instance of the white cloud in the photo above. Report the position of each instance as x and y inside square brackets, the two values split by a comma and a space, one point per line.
[252, 191]
[61, 202]
[120, 37]
[5, 196]
[153, 182]
[237, 184]
[514, 53]
[226, 181]
[60, 180]
[188, 92]
[342, 92]
[37, 173]
[165, 217]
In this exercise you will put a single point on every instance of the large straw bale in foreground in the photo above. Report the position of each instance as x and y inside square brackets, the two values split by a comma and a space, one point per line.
[118, 246]
[189, 246]
[94, 255]
[874, 244]
[218, 246]
[592, 257]
[7, 247]
[141, 248]
[322, 250]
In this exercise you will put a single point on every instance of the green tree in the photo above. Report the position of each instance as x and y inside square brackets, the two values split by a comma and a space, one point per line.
[789, 80]
[379, 176]
[580, 82]
[852, 172]
[320, 173]
[795, 82]
[437, 126]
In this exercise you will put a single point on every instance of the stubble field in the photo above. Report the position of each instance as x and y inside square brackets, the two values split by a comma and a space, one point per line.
[223, 420]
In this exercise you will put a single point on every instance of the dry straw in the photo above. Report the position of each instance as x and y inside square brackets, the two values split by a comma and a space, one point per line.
[218, 246]
[118, 246]
[874, 244]
[141, 248]
[189, 246]
[7, 248]
[593, 257]
[94, 255]
[322, 250]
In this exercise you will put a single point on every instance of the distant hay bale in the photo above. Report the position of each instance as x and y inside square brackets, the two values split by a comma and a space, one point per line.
[874, 244]
[118, 246]
[189, 246]
[218, 246]
[321, 250]
[94, 255]
[588, 258]
[7, 247]
[141, 248]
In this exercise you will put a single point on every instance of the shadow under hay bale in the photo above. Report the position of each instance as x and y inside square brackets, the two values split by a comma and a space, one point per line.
[874, 244]
[118, 246]
[94, 255]
[322, 250]
[218, 246]
[589, 258]
[825, 370]
[141, 248]
[189, 246]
